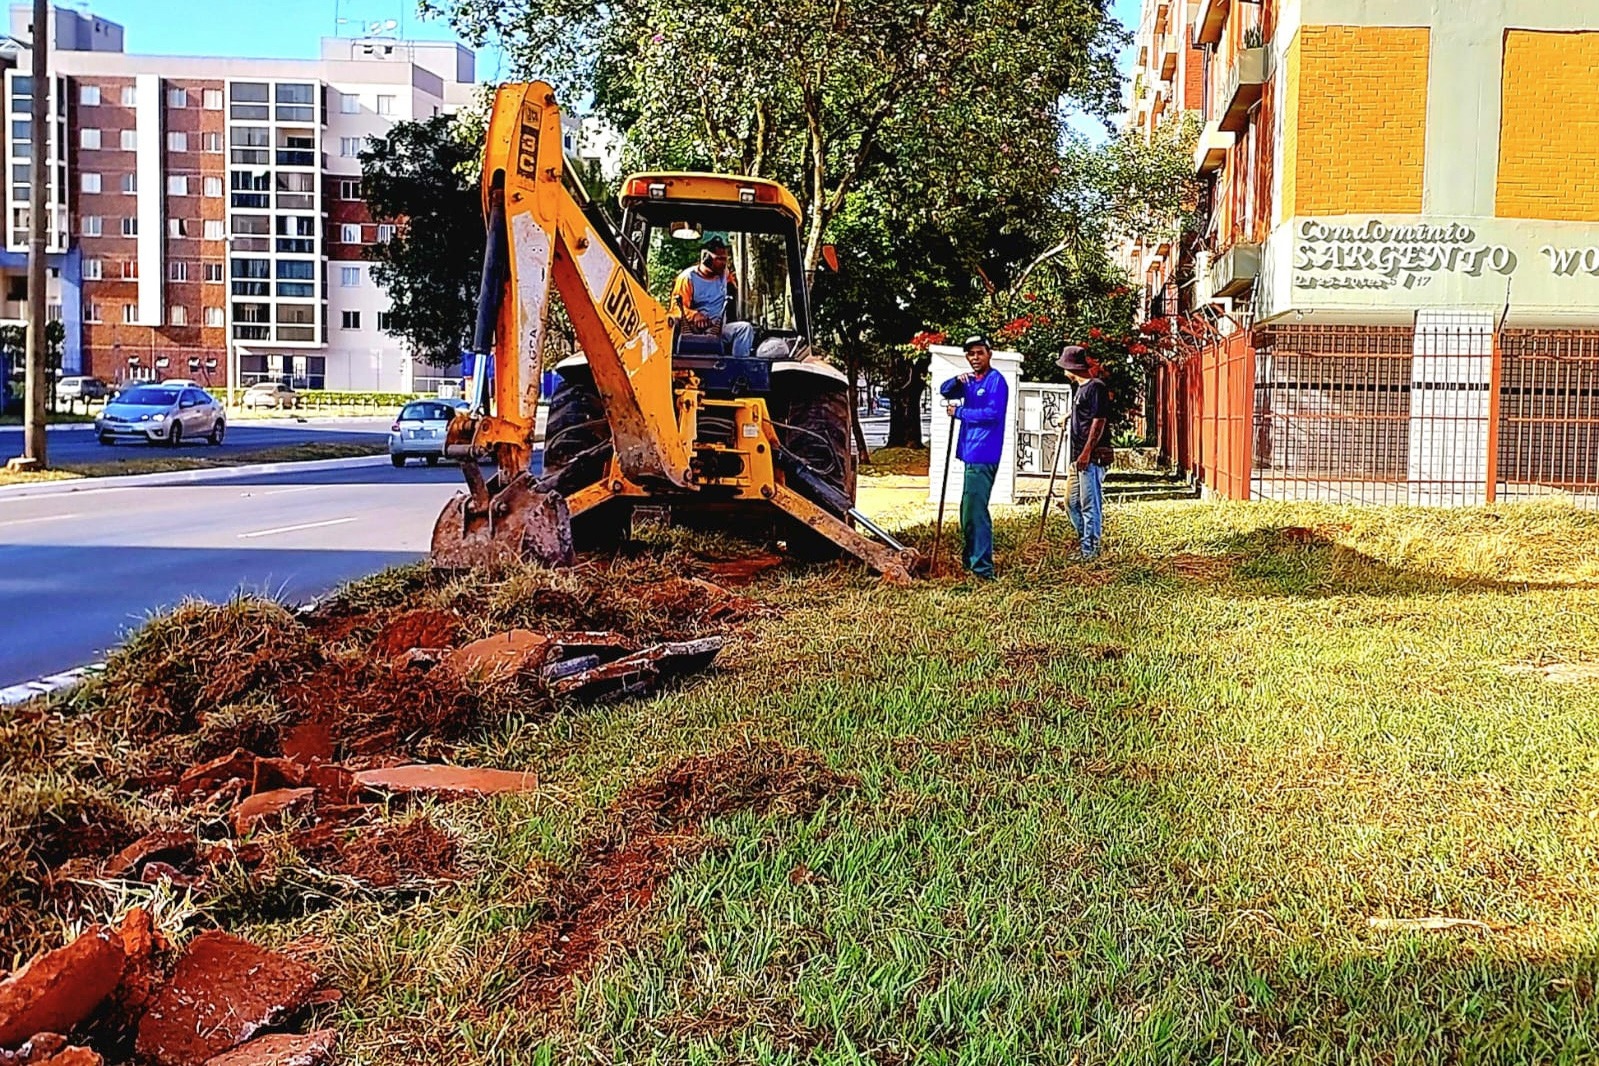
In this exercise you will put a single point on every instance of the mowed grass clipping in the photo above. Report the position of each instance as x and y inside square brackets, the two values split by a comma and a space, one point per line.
[1196, 802]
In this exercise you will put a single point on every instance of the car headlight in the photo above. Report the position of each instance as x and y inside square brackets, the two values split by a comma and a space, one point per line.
[158, 418]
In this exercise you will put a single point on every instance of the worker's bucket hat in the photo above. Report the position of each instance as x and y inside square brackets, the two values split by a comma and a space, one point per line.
[1073, 359]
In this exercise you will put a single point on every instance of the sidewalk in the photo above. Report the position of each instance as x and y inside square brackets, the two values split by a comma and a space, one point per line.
[179, 477]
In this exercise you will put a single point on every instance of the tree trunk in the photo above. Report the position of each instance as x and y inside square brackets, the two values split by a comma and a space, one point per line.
[852, 367]
[905, 388]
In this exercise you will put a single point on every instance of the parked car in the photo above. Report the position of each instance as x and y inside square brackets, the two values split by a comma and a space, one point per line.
[270, 394]
[418, 430]
[162, 414]
[74, 388]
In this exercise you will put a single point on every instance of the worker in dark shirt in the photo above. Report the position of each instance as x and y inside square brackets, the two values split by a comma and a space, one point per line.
[978, 400]
[1085, 482]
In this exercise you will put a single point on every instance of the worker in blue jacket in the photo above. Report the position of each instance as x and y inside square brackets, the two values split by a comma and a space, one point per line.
[978, 400]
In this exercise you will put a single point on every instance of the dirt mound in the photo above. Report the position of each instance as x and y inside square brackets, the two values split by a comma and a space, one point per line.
[387, 856]
[424, 628]
[655, 828]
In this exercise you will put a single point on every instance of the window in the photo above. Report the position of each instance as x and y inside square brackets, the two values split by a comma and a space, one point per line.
[350, 277]
[130, 140]
[177, 98]
[178, 315]
[350, 320]
[385, 321]
[213, 142]
[385, 233]
[297, 269]
[91, 312]
[89, 225]
[130, 313]
[252, 268]
[177, 185]
[21, 130]
[89, 95]
[130, 183]
[130, 269]
[385, 105]
[89, 182]
[130, 96]
[88, 138]
[299, 93]
[213, 231]
[350, 233]
[213, 317]
[349, 104]
[177, 141]
[213, 271]
[350, 147]
[179, 270]
[212, 99]
[93, 270]
[213, 186]
[178, 227]
[130, 227]
[349, 190]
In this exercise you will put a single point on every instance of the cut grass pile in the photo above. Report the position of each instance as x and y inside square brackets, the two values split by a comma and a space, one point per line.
[143, 462]
[1201, 801]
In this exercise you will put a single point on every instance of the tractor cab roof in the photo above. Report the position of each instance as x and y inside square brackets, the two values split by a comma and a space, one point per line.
[721, 201]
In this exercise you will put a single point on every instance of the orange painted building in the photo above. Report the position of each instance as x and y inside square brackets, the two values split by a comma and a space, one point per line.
[1395, 282]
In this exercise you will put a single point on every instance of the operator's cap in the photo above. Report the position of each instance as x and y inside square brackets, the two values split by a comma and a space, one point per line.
[974, 340]
[715, 243]
[1073, 359]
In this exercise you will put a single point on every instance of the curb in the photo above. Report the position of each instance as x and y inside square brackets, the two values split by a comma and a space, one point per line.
[179, 477]
[44, 686]
[57, 427]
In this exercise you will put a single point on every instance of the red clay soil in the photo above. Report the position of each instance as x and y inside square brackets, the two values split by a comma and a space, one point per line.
[356, 699]
[423, 628]
[736, 573]
[50, 1049]
[281, 1049]
[437, 779]
[389, 855]
[222, 993]
[654, 829]
[501, 656]
[59, 989]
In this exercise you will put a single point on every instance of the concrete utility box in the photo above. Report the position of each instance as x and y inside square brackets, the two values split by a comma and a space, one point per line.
[951, 362]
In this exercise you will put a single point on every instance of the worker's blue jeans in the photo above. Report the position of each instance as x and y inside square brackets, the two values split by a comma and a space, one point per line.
[1085, 503]
[977, 527]
[739, 337]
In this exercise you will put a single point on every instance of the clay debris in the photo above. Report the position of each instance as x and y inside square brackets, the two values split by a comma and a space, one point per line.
[56, 991]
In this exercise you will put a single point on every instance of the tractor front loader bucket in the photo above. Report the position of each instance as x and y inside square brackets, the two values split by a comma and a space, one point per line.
[492, 524]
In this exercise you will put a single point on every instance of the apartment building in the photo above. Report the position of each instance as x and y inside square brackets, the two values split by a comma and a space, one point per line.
[208, 209]
[1394, 294]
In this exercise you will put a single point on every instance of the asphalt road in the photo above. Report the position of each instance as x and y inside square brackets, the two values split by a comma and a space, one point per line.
[74, 444]
[79, 569]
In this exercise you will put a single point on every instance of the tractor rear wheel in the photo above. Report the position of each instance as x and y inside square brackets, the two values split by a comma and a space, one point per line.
[577, 451]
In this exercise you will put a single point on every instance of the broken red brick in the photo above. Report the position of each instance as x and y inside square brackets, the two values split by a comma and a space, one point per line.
[140, 940]
[256, 773]
[224, 990]
[438, 780]
[270, 807]
[50, 1049]
[281, 1049]
[60, 988]
[499, 657]
[165, 847]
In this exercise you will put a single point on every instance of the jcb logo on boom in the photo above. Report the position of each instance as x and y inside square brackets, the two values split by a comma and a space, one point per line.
[527, 144]
[619, 305]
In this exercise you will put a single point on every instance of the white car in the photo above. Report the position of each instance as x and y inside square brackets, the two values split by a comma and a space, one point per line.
[162, 414]
[419, 428]
[270, 394]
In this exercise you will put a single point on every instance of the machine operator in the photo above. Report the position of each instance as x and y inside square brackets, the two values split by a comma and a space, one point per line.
[703, 295]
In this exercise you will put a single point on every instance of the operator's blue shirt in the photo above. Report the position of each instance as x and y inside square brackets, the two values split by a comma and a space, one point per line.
[981, 414]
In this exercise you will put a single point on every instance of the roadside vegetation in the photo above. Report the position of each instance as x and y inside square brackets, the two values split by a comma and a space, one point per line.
[154, 461]
[1267, 783]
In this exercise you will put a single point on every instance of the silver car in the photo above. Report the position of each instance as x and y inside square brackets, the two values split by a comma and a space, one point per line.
[418, 430]
[162, 414]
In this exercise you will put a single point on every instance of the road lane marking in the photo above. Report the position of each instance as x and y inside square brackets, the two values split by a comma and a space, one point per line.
[296, 529]
[280, 492]
[41, 518]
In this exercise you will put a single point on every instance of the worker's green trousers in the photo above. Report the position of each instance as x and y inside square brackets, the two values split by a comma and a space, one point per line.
[977, 528]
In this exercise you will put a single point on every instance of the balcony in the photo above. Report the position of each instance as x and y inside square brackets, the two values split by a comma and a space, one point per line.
[1211, 151]
[1167, 51]
[1209, 20]
[1246, 79]
[1233, 272]
[1162, 15]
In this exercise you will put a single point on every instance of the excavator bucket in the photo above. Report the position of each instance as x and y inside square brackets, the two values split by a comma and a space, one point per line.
[493, 525]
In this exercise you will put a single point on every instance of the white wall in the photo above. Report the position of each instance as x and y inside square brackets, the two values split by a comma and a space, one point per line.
[365, 358]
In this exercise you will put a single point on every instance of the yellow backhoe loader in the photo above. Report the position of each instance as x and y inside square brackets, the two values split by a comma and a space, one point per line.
[650, 415]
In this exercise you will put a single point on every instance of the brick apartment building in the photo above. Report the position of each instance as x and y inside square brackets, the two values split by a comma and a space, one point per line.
[1393, 295]
[208, 207]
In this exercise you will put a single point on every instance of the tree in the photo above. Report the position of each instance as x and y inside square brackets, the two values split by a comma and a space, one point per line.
[14, 339]
[423, 175]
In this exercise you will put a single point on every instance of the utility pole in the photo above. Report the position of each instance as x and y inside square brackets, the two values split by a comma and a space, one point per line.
[38, 373]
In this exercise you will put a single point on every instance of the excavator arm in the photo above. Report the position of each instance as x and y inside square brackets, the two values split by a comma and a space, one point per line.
[543, 238]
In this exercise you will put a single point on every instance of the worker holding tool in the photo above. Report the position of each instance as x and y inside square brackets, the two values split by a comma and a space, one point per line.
[702, 296]
[978, 401]
[1085, 482]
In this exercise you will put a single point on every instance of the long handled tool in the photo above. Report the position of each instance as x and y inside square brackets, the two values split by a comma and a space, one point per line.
[943, 491]
[1060, 446]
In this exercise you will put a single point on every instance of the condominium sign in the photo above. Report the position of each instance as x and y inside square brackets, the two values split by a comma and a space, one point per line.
[1390, 267]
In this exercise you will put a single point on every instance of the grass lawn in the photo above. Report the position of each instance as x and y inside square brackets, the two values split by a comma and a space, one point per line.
[1184, 804]
[159, 464]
